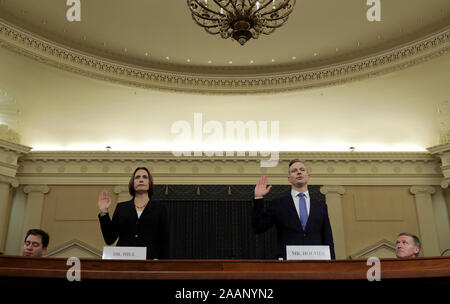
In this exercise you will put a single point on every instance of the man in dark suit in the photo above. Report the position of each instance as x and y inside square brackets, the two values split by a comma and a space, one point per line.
[36, 242]
[299, 219]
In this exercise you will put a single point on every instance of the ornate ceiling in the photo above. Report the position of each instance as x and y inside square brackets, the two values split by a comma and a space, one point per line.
[155, 44]
[129, 71]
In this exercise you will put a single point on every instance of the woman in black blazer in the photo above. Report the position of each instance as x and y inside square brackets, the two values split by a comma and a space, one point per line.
[138, 222]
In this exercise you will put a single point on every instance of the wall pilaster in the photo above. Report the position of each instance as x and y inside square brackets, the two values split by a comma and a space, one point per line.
[9, 155]
[425, 214]
[122, 193]
[34, 206]
[333, 198]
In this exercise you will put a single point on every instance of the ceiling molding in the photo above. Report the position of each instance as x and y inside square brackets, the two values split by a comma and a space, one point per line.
[14, 147]
[443, 152]
[36, 48]
[9, 154]
[284, 156]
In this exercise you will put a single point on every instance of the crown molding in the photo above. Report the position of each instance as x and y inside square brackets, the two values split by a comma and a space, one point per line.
[9, 155]
[286, 156]
[41, 50]
[440, 149]
[13, 147]
[329, 190]
[39, 189]
[326, 168]
[419, 190]
[9, 180]
[443, 152]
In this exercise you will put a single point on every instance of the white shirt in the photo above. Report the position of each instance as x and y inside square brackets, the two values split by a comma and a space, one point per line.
[139, 213]
[296, 199]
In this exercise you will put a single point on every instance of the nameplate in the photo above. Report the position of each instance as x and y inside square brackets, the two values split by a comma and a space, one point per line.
[124, 253]
[308, 253]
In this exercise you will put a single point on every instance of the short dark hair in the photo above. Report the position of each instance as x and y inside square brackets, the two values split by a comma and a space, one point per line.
[44, 236]
[416, 240]
[131, 189]
[293, 162]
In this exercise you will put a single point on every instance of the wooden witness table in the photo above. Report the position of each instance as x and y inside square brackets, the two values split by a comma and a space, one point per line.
[56, 268]
[166, 278]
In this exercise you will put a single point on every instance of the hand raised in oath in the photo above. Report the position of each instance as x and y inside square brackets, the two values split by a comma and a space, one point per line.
[261, 188]
[104, 201]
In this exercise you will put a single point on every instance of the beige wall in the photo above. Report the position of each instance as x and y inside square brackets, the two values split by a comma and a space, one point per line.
[370, 214]
[70, 212]
[379, 194]
[375, 213]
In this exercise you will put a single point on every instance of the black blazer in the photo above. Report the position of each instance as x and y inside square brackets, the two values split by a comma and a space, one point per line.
[151, 230]
[282, 213]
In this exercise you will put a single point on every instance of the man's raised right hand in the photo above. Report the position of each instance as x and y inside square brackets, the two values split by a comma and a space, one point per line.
[261, 188]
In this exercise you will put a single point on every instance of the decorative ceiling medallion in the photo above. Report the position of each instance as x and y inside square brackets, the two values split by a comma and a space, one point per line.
[95, 67]
[240, 20]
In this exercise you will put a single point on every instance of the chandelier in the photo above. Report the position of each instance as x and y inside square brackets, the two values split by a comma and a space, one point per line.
[240, 19]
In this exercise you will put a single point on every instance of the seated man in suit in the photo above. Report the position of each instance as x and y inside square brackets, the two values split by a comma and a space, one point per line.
[299, 219]
[35, 244]
[407, 246]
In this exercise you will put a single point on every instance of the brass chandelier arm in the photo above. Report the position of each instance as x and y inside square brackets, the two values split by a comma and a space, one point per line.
[204, 18]
[280, 7]
[279, 18]
[208, 30]
[263, 6]
[234, 6]
[204, 25]
[224, 6]
[268, 32]
[273, 27]
[252, 5]
[216, 20]
[205, 8]
[284, 18]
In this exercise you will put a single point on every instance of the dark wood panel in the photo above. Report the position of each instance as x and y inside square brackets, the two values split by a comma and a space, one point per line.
[21, 267]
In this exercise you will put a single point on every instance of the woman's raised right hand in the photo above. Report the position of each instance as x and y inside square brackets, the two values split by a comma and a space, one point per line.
[104, 201]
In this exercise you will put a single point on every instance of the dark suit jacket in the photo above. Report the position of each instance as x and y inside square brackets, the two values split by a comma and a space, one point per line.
[282, 213]
[151, 230]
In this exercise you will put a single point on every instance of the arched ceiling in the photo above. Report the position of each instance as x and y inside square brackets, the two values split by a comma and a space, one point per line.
[376, 86]
[158, 44]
